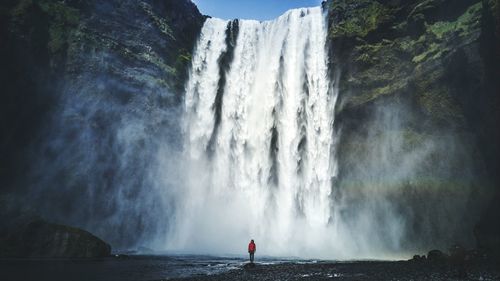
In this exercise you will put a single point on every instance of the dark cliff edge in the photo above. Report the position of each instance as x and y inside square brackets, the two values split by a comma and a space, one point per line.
[76, 76]
[419, 103]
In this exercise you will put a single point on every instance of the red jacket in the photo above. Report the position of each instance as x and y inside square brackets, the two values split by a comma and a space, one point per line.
[252, 247]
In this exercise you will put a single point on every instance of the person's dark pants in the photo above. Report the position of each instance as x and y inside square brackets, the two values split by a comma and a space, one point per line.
[251, 257]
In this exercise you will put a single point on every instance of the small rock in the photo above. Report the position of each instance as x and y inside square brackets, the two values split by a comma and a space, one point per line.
[249, 265]
[436, 256]
[418, 258]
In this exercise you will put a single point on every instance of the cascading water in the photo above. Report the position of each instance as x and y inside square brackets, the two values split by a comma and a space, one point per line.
[260, 139]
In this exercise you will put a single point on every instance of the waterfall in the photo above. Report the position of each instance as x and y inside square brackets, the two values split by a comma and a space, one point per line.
[259, 138]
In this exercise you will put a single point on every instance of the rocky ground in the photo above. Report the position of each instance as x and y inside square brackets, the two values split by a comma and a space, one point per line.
[157, 267]
[376, 270]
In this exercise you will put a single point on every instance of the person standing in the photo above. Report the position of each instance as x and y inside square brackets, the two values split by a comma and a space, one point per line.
[251, 250]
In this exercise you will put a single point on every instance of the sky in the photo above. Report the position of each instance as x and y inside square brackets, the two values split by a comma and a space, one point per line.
[250, 9]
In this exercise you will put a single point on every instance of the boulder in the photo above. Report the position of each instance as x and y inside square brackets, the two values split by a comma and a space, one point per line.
[418, 258]
[249, 265]
[436, 256]
[41, 239]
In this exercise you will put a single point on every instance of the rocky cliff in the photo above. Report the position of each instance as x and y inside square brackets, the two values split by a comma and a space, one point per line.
[90, 90]
[418, 111]
[51, 47]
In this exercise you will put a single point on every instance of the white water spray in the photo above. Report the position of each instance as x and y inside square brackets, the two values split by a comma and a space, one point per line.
[265, 169]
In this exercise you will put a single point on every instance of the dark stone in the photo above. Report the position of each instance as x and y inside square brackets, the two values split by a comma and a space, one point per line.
[249, 265]
[418, 258]
[416, 25]
[39, 238]
[436, 256]
[487, 230]
[121, 256]
[23, 234]
[457, 258]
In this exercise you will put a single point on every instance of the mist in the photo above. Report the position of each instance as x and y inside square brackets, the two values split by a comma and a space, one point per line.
[98, 164]
[412, 187]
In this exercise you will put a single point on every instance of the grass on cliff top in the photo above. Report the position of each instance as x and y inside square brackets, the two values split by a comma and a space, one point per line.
[434, 51]
[467, 21]
[390, 88]
[462, 26]
[359, 21]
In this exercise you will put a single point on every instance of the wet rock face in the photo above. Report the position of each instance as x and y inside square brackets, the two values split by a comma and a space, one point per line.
[50, 48]
[439, 63]
[417, 112]
[154, 36]
[91, 90]
[39, 238]
[487, 230]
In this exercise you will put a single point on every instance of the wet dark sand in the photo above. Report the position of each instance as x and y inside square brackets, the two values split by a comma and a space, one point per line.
[357, 271]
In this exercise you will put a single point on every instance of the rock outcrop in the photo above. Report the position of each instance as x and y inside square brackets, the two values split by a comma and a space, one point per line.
[41, 239]
[487, 230]
[418, 111]
[50, 48]
[23, 234]
[436, 256]
[90, 89]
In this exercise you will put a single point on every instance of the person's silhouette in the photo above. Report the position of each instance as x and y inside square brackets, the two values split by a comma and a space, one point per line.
[251, 250]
